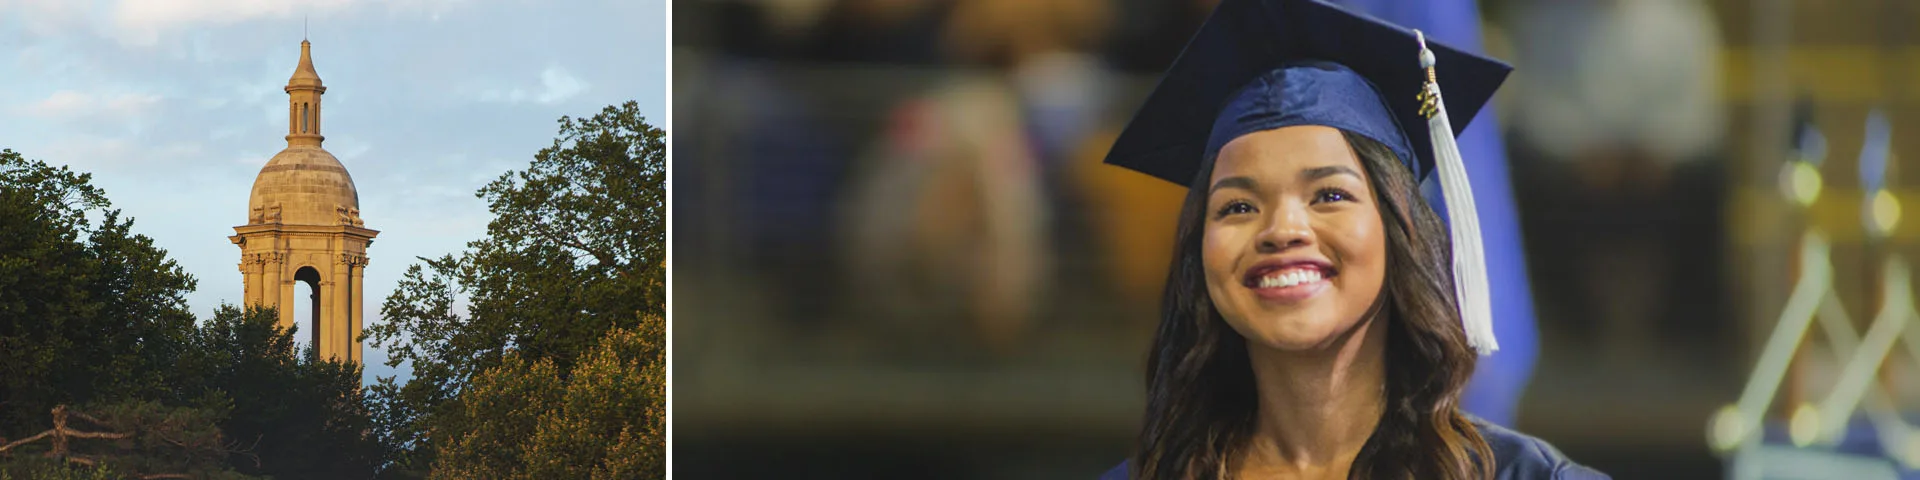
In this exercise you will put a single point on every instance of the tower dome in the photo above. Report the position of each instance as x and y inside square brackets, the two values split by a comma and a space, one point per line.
[304, 184]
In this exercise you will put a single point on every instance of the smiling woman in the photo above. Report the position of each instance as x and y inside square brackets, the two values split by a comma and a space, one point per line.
[1310, 326]
[1292, 237]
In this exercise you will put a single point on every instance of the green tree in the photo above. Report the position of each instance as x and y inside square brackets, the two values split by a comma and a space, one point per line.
[522, 420]
[299, 417]
[89, 311]
[576, 249]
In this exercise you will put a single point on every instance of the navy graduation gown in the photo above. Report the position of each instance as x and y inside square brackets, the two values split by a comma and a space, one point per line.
[1517, 456]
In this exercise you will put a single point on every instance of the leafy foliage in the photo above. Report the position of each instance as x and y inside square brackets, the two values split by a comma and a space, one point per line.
[605, 421]
[576, 250]
[37, 468]
[298, 416]
[88, 311]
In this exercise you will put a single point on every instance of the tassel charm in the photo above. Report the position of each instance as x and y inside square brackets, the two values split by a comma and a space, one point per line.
[1469, 257]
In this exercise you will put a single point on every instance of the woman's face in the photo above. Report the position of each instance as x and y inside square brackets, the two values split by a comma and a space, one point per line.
[1293, 246]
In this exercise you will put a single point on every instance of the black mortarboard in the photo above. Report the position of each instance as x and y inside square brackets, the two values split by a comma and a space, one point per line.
[1264, 64]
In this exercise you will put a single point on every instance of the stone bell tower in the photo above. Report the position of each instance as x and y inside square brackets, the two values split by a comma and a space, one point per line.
[303, 225]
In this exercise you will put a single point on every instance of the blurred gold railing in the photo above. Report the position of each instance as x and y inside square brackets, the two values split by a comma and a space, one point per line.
[1837, 213]
[1840, 73]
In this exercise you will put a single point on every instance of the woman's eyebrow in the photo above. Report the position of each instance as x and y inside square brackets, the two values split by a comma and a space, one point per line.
[1317, 173]
[1240, 182]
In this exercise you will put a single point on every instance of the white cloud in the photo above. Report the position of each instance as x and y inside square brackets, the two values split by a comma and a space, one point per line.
[143, 22]
[556, 85]
[40, 5]
[140, 22]
[61, 104]
[47, 17]
[429, 8]
[90, 153]
[67, 104]
[119, 155]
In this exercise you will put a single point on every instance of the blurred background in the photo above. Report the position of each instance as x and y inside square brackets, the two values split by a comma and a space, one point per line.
[897, 254]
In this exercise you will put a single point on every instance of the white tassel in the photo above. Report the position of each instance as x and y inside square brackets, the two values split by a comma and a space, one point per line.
[1469, 258]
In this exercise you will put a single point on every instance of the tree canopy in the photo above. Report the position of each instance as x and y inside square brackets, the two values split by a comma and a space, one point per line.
[88, 310]
[576, 250]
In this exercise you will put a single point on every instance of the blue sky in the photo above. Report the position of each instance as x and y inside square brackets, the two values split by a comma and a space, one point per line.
[174, 105]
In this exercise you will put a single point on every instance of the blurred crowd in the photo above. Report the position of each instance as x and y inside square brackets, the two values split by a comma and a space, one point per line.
[946, 154]
[936, 155]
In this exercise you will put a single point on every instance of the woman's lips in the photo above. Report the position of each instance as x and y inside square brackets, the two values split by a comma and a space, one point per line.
[1296, 293]
[1289, 283]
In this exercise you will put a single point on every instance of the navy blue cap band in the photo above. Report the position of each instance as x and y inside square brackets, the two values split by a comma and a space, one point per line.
[1310, 93]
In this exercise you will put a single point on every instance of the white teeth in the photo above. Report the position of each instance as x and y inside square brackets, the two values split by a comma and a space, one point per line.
[1290, 278]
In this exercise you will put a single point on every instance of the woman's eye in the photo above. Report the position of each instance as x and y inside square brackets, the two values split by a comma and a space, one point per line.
[1235, 207]
[1331, 195]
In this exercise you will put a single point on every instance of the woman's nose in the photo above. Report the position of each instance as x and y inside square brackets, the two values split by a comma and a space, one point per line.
[1286, 228]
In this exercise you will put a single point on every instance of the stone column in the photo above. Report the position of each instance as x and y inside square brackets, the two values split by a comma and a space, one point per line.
[358, 312]
[249, 280]
[340, 319]
[323, 299]
[269, 283]
[283, 287]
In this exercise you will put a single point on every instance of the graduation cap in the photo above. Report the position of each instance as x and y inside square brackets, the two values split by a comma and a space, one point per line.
[1264, 64]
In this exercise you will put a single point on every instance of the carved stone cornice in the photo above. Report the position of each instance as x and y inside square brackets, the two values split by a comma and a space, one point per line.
[262, 258]
[351, 260]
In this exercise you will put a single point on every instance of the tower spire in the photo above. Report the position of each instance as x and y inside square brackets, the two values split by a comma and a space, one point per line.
[303, 96]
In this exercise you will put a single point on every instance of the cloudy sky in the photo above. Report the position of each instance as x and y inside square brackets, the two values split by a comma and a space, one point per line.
[174, 105]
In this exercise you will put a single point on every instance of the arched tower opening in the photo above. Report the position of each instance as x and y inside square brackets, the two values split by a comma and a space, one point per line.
[307, 307]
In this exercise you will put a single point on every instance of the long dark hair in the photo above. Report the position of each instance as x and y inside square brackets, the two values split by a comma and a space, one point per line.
[1200, 394]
